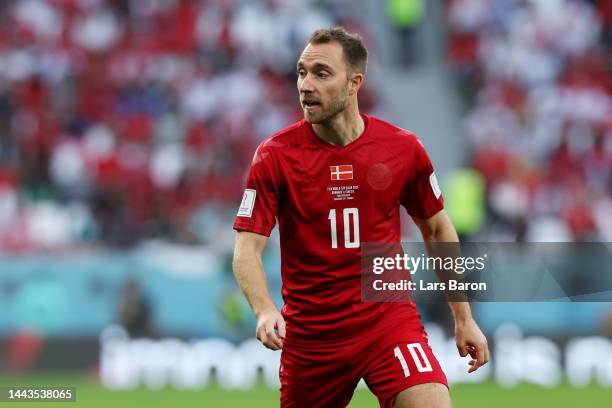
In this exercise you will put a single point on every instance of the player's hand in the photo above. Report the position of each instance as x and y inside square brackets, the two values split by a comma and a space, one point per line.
[271, 329]
[470, 340]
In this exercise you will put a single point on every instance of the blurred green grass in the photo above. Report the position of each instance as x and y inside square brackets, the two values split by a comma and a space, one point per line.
[91, 394]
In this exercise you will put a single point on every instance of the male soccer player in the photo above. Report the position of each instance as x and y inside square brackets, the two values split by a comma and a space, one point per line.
[334, 180]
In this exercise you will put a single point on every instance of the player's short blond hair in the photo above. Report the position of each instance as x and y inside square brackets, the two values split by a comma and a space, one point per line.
[355, 52]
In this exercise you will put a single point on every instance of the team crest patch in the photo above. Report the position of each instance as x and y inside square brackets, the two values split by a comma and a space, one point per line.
[435, 187]
[247, 204]
[379, 177]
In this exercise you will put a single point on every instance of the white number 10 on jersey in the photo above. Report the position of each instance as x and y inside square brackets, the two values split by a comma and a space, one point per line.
[350, 240]
[418, 356]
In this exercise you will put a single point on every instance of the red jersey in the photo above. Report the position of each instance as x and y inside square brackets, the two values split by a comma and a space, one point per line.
[328, 200]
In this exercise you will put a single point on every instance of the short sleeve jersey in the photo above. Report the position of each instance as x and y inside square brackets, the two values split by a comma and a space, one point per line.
[328, 200]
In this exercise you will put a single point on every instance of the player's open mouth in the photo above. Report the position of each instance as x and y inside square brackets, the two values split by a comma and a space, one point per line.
[310, 104]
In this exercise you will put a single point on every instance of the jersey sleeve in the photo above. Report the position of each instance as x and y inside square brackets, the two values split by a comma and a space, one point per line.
[259, 206]
[421, 194]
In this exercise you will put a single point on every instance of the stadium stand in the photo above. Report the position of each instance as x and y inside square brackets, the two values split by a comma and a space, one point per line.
[536, 79]
[120, 124]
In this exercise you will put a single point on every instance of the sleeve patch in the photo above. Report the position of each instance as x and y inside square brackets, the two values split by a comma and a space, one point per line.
[435, 187]
[247, 204]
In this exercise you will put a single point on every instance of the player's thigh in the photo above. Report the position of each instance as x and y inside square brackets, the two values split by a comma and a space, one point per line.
[428, 395]
[402, 361]
[315, 380]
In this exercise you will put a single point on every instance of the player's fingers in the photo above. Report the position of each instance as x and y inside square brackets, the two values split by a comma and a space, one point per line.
[480, 355]
[272, 346]
[273, 341]
[463, 350]
[487, 354]
[261, 336]
[269, 342]
[282, 330]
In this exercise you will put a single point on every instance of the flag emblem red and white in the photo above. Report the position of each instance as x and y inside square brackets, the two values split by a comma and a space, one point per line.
[342, 172]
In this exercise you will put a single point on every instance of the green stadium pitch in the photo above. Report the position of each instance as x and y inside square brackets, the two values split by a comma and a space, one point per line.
[91, 395]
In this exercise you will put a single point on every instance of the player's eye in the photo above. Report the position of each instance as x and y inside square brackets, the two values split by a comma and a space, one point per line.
[323, 74]
[301, 73]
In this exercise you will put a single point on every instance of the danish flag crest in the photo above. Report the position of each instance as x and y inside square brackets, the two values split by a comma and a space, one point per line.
[342, 172]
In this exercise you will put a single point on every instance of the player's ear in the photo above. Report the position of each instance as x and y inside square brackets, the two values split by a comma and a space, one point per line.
[355, 81]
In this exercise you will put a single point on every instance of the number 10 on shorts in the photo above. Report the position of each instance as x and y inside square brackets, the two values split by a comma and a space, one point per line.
[418, 356]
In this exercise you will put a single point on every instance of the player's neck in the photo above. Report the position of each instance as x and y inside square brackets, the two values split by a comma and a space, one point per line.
[342, 129]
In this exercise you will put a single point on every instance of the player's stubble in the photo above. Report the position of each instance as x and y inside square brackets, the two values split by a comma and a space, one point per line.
[337, 104]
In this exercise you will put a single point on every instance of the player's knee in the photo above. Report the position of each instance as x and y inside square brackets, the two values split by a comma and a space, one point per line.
[429, 395]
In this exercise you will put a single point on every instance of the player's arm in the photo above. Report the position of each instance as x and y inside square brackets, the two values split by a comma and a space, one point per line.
[470, 339]
[250, 274]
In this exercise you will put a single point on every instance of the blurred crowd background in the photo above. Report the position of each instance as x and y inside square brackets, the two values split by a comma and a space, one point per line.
[123, 121]
[127, 127]
[536, 79]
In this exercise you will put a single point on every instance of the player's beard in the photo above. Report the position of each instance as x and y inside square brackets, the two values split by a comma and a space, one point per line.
[336, 106]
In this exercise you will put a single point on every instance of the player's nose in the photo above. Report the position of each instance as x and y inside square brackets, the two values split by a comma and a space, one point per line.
[305, 85]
